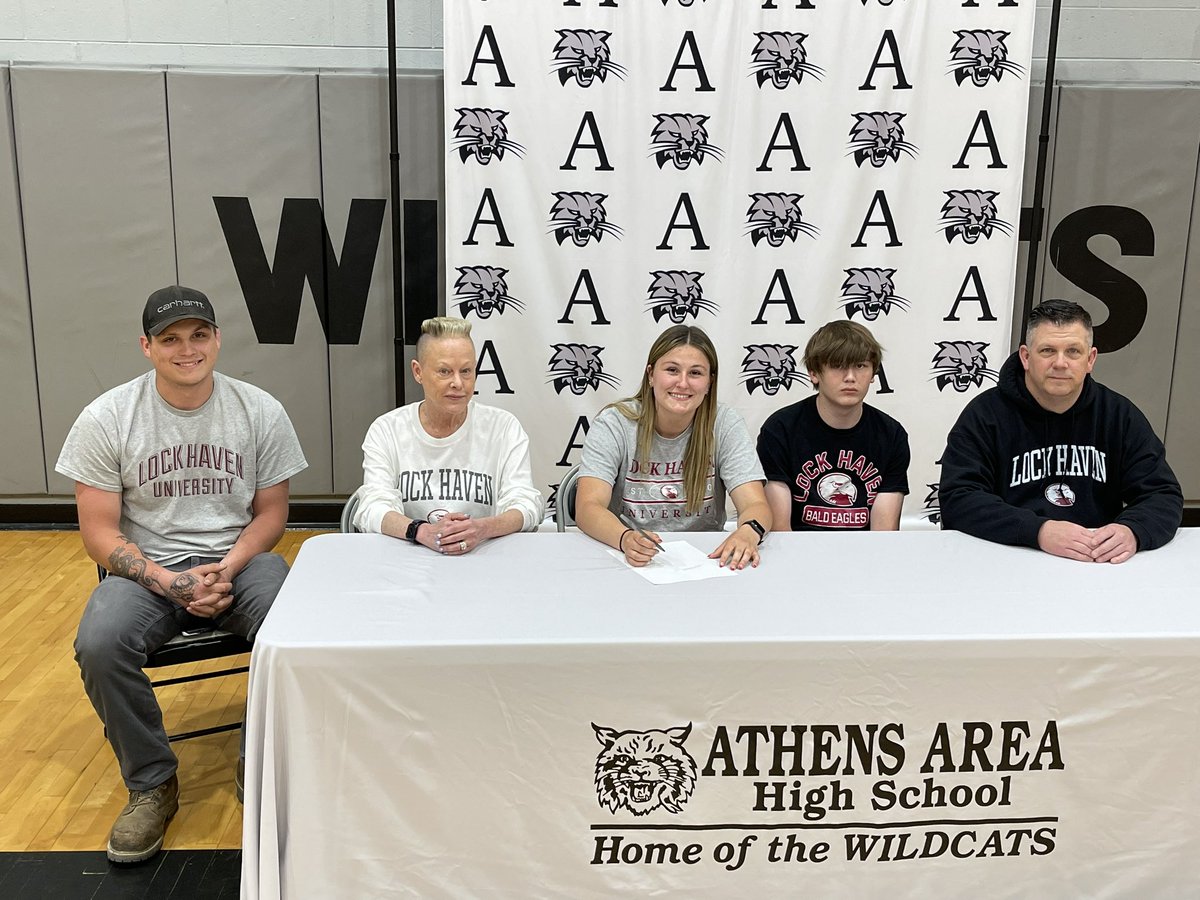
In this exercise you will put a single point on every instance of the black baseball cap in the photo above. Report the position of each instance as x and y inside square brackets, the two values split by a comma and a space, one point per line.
[172, 304]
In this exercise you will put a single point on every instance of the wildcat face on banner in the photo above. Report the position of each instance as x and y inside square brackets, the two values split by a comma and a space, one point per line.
[756, 169]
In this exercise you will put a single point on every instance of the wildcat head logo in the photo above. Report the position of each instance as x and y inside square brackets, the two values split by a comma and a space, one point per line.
[678, 294]
[578, 367]
[580, 216]
[970, 214]
[779, 58]
[776, 217]
[770, 367]
[1060, 494]
[961, 364]
[878, 137]
[583, 54]
[482, 290]
[981, 56]
[870, 292]
[933, 509]
[643, 770]
[481, 133]
[682, 139]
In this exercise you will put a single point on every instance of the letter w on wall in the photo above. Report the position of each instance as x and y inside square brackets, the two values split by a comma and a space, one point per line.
[303, 252]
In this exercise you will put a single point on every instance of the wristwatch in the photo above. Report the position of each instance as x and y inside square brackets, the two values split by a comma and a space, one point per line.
[411, 533]
[753, 523]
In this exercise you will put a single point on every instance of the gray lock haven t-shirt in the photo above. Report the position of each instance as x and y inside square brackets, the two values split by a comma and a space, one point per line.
[187, 478]
[652, 495]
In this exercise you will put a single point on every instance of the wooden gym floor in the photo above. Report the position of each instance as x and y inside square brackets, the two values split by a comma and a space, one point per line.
[60, 789]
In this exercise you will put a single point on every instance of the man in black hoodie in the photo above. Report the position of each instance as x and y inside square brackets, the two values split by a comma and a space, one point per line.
[1050, 458]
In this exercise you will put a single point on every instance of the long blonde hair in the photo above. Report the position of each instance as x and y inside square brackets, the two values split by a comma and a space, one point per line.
[641, 409]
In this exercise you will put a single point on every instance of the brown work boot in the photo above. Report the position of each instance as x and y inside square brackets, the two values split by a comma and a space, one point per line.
[138, 832]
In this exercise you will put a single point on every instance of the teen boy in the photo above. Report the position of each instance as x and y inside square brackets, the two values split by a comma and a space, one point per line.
[832, 462]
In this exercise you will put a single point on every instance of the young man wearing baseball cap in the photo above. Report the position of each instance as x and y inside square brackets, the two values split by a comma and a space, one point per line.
[181, 482]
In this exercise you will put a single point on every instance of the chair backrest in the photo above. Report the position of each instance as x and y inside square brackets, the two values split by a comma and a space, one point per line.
[348, 512]
[564, 504]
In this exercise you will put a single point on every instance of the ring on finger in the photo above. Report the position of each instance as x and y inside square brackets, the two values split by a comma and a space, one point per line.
[462, 545]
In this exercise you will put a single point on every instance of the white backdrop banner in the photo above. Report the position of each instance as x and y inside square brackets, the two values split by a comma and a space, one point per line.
[753, 168]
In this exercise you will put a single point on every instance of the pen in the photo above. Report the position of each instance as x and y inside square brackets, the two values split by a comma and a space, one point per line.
[629, 523]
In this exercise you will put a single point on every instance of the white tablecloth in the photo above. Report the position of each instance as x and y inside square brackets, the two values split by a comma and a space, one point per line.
[430, 726]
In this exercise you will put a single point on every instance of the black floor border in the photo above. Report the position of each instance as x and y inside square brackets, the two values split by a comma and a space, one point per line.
[71, 874]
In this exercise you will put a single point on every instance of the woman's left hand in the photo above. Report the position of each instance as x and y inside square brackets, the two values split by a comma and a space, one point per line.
[458, 533]
[739, 549]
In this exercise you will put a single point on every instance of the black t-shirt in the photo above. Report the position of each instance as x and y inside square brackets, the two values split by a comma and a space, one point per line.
[834, 474]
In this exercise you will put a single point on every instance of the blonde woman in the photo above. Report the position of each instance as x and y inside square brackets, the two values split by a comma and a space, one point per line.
[665, 458]
[447, 473]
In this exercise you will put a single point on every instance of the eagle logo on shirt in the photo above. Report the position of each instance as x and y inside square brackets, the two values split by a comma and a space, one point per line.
[1060, 494]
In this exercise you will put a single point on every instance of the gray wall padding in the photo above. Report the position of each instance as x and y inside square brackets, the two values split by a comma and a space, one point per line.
[254, 136]
[96, 195]
[23, 471]
[1130, 147]
[1183, 412]
[354, 164]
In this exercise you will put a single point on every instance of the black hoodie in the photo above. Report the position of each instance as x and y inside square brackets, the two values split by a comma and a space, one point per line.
[1009, 465]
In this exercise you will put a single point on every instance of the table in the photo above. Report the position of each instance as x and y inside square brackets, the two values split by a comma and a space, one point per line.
[891, 715]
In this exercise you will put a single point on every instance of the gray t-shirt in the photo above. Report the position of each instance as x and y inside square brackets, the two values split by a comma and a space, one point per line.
[187, 478]
[654, 496]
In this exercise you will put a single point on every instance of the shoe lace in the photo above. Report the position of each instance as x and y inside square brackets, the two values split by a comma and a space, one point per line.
[143, 798]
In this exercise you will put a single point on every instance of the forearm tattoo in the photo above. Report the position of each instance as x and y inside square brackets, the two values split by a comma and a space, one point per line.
[128, 563]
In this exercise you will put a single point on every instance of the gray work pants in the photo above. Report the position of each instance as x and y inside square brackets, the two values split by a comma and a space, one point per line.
[122, 624]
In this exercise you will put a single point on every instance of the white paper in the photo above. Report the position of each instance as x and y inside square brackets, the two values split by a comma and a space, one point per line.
[680, 562]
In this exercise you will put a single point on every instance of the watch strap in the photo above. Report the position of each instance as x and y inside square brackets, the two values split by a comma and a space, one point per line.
[754, 523]
[410, 533]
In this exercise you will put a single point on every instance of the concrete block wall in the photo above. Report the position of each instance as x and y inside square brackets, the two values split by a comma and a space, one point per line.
[1099, 40]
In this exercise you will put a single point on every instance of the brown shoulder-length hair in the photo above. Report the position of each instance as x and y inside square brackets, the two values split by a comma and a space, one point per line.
[641, 409]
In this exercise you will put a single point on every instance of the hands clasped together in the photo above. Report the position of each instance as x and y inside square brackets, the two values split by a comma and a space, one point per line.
[1113, 543]
[202, 590]
[455, 534]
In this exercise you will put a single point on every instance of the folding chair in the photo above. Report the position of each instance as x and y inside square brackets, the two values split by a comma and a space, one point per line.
[348, 512]
[196, 645]
[564, 505]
